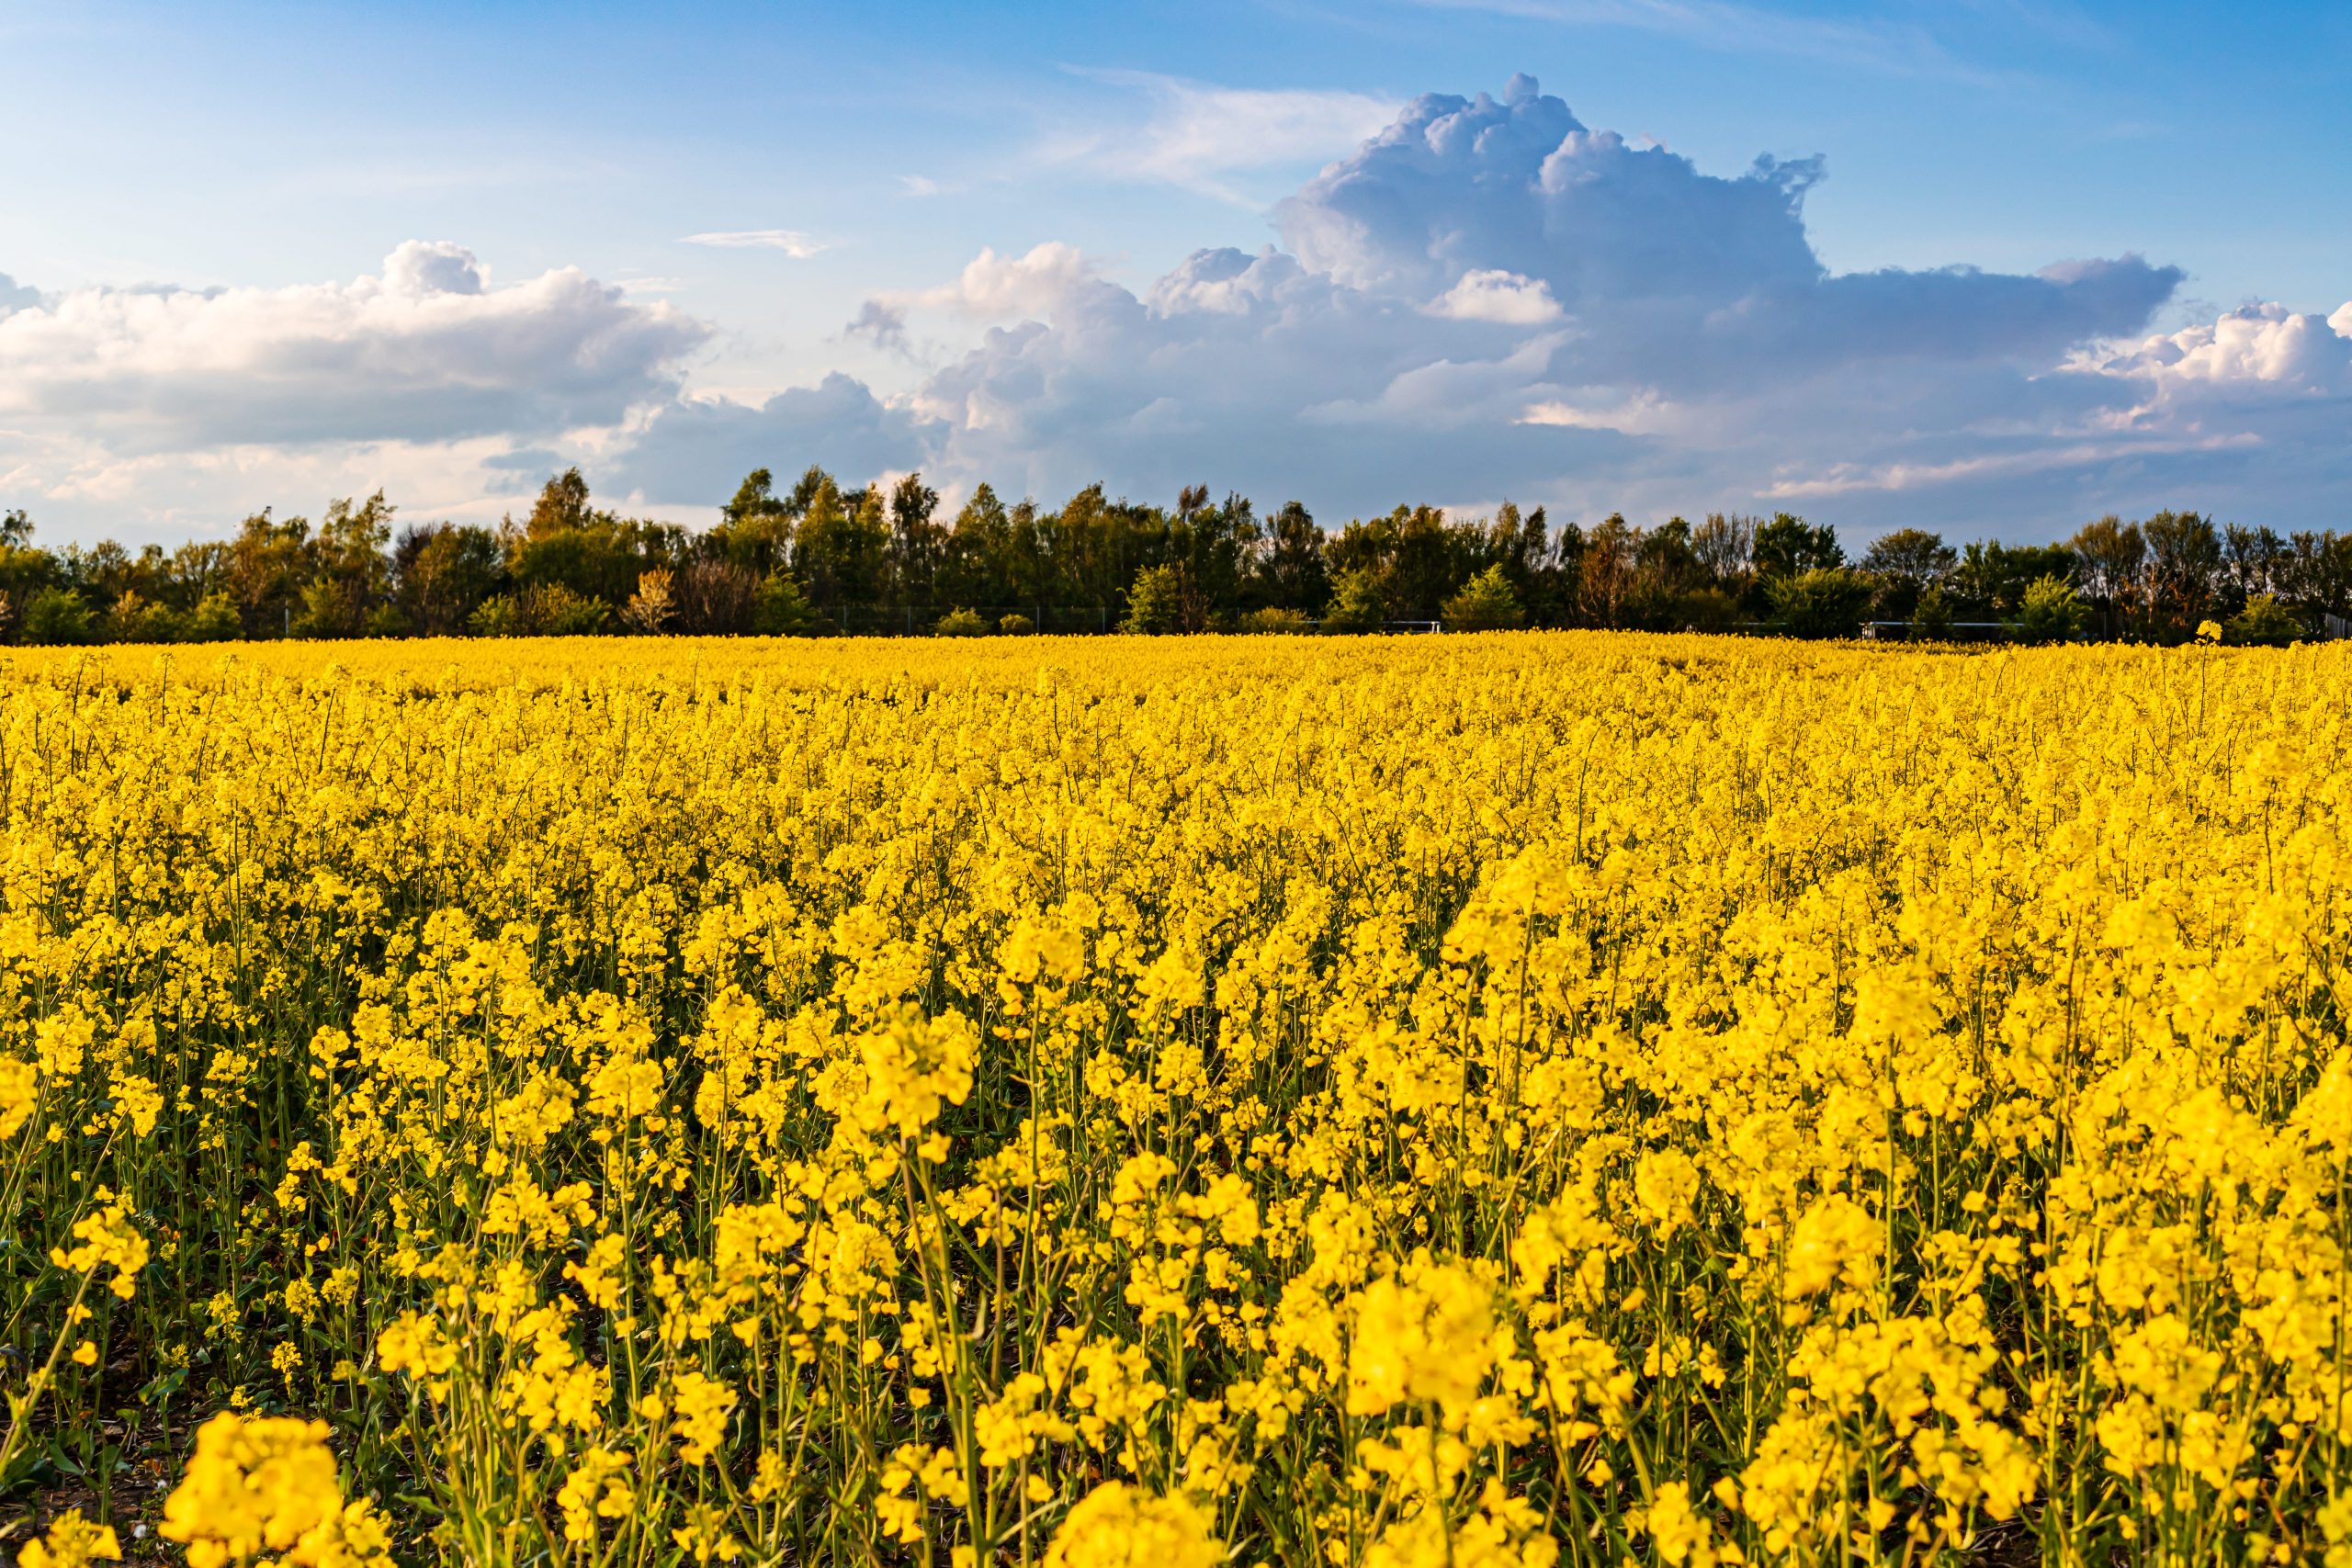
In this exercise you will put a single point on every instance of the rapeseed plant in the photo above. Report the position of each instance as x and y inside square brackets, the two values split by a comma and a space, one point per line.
[1504, 1100]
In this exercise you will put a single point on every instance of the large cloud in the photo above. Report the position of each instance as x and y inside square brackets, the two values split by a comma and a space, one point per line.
[426, 351]
[1489, 298]
[700, 448]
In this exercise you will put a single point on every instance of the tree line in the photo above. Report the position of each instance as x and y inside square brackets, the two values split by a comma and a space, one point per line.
[817, 557]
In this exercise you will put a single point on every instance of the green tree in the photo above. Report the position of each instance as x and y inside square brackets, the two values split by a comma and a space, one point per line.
[1486, 603]
[1905, 564]
[1154, 601]
[2265, 622]
[1932, 615]
[134, 619]
[916, 541]
[350, 575]
[562, 506]
[1289, 571]
[269, 566]
[781, 609]
[57, 617]
[214, 619]
[2184, 569]
[1789, 546]
[2048, 612]
[1825, 601]
[1356, 604]
[442, 572]
[2111, 553]
[840, 548]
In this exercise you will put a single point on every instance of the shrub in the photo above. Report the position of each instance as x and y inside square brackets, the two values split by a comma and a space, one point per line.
[329, 610]
[1488, 603]
[781, 609]
[960, 623]
[1356, 603]
[1016, 625]
[1151, 601]
[650, 608]
[214, 619]
[2048, 612]
[1707, 610]
[57, 617]
[498, 615]
[1828, 602]
[1932, 615]
[134, 619]
[1274, 621]
[2265, 622]
[385, 620]
[557, 610]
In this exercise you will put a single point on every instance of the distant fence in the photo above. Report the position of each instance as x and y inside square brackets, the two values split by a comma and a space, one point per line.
[1096, 620]
[917, 620]
[1955, 631]
[1060, 620]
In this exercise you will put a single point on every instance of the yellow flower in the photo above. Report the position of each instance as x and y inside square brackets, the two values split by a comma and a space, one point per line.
[19, 1093]
[701, 1407]
[71, 1542]
[1119, 1526]
[1424, 1335]
[1665, 1182]
[108, 1239]
[266, 1484]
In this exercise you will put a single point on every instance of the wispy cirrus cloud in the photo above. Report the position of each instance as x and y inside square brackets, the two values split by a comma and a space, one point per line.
[793, 242]
[1200, 136]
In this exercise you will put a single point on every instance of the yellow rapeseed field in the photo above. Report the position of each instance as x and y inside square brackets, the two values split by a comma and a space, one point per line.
[1567, 1097]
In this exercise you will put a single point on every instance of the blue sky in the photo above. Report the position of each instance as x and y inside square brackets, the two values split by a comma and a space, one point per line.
[157, 157]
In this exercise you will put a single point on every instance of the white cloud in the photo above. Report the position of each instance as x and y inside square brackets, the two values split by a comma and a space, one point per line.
[1643, 413]
[420, 268]
[2262, 352]
[424, 350]
[147, 409]
[1499, 295]
[992, 287]
[791, 241]
[1886, 479]
[1488, 297]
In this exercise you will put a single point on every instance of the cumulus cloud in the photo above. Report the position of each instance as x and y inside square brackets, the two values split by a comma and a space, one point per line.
[698, 449]
[1488, 296]
[791, 241]
[992, 286]
[15, 296]
[2258, 353]
[1499, 295]
[425, 351]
